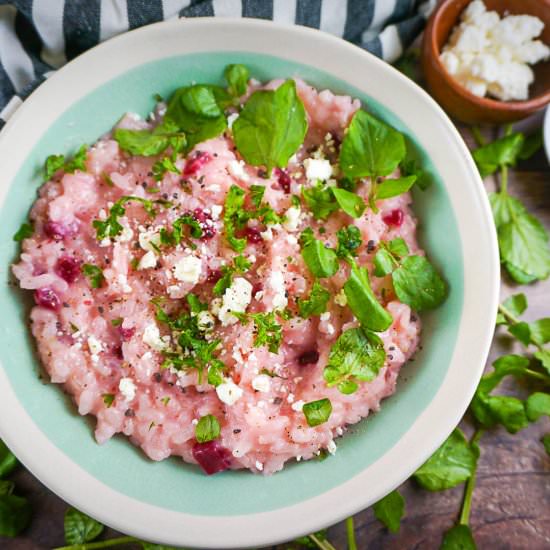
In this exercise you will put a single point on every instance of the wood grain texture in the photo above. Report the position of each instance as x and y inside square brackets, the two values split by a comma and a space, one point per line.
[511, 503]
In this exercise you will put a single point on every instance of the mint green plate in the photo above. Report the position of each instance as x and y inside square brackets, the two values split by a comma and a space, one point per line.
[173, 502]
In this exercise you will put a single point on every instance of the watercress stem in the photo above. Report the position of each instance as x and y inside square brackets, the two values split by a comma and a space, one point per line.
[102, 544]
[538, 375]
[350, 530]
[478, 137]
[514, 320]
[322, 544]
[504, 179]
[470, 486]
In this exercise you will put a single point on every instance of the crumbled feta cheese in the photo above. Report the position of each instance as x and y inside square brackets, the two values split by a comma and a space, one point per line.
[195, 421]
[122, 280]
[488, 54]
[228, 392]
[231, 119]
[261, 383]
[215, 306]
[205, 320]
[259, 466]
[290, 398]
[94, 345]
[188, 269]
[331, 447]
[105, 242]
[236, 169]
[126, 234]
[127, 388]
[291, 240]
[325, 316]
[339, 431]
[147, 261]
[216, 210]
[292, 218]
[267, 235]
[330, 329]
[341, 299]
[149, 239]
[151, 337]
[236, 298]
[276, 282]
[297, 406]
[317, 169]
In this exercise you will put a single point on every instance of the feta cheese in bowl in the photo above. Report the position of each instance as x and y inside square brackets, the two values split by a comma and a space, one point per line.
[488, 61]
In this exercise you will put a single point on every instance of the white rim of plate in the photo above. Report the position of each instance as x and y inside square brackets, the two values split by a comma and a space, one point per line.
[481, 279]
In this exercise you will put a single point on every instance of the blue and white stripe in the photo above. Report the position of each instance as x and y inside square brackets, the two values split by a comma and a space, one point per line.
[39, 36]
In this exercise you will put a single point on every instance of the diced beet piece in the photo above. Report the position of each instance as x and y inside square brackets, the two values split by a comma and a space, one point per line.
[395, 217]
[47, 297]
[196, 162]
[58, 230]
[309, 357]
[127, 333]
[117, 352]
[212, 457]
[206, 223]
[214, 275]
[284, 179]
[68, 268]
[253, 235]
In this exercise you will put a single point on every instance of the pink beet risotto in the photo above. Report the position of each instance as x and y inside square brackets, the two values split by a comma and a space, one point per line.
[234, 280]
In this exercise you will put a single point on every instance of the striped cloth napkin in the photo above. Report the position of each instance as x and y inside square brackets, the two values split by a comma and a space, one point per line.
[39, 36]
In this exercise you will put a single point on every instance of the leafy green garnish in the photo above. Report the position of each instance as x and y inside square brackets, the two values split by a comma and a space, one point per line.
[537, 405]
[393, 187]
[350, 203]
[458, 537]
[316, 303]
[162, 166]
[175, 236]
[357, 356]
[501, 152]
[320, 260]
[320, 200]
[268, 331]
[8, 462]
[317, 412]
[108, 399]
[363, 303]
[271, 126]
[453, 463]
[207, 429]
[240, 265]
[349, 240]
[57, 162]
[24, 232]
[370, 147]
[146, 143]
[80, 528]
[390, 510]
[53, 164]
[233, 208]
[15, 515]
[237, 79]
[94, 275]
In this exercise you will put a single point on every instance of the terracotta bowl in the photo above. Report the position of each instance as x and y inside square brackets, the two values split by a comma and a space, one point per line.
[454, 98]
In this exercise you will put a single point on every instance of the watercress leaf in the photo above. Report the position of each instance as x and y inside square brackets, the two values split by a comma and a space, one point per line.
[307, 542]
[52, 165]
[320, 200]
[383, 263]
[501, 320]
[350, 203]
[540, 331]
[316, 303]
[501, 152]
[517, 275]
[271, 126]
[505, 208]
[394, 187]
[500, 409]
[370, 147]
[537, 405]
[418, 284]
[320, 260]
[523, 242]
[357, 356]
[521, 331]
[207, 429]
[411, 167]
[544, 357]
[15, 515]
[317, 412]
[237, 79]
[8, 462]
[546, 443]
[507, 365]
[515, 304]
[363, 303]
[80, 528]
[140, 142]
[390, 510]
[452, 464]
[531, 145]
[200, 100]
[94, 275]
[24, 232]
[233, 206]
[398, 247]
[6, 487]
[458, 537]
[349, 240]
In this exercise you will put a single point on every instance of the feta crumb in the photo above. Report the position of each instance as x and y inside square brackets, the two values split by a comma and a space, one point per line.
[205, 320]
[123, 282]
[151, 337]
[297, 406]
[94, 345]
[331, 447]
[277, 284]
[147, 261]
[290, 398]
[330, 329]
[325, 316]
[339, 431]
[292, 218]
[259, 466]
[105, 242]
[317, 169]
[216, 210]
[236, 298]
[267, 235]
[236, 169]
[188, 269]
[292, 240]
[126, 234]
[228, 392]
[127, 388]
[341, 299]
[149, 239]
[261, 383]
[195, 421]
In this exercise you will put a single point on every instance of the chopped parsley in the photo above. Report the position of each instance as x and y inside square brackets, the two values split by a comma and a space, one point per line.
[207, 429]
[24, 232]
[162, 166]
[108, 399]
[94, 275]
[240, 265]
[57, 162]
[317, 412]
[316, 303]
[174, 237]
[267, 331]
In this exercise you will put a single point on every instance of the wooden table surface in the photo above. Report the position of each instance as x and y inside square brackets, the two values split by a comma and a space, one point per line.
[511, 503]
